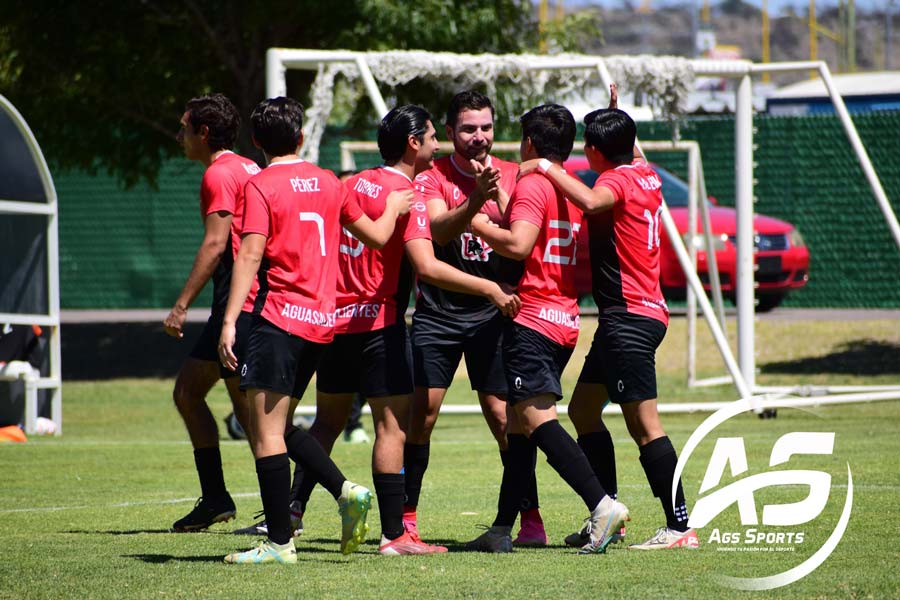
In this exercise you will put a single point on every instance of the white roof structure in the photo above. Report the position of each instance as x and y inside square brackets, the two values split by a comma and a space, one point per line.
[848, 84]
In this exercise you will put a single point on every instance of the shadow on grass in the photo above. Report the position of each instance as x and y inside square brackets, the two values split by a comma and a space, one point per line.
[858, 357]
[119, 531]
[160, 559]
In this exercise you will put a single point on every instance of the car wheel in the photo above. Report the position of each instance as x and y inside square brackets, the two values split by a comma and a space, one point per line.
[767, 302]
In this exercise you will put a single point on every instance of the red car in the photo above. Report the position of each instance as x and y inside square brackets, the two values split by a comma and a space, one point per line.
[782, 257]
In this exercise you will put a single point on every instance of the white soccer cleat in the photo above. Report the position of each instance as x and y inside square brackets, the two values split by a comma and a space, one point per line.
[666, 539]
[604, 523]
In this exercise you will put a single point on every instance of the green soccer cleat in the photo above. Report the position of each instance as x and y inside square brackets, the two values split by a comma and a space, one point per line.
[267, 552]
[353, 506]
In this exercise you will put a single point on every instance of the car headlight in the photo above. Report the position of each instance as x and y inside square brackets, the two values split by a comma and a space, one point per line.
[796, 239]
[699, 241]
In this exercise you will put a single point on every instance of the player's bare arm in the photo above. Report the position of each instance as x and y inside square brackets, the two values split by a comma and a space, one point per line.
[375, 234]
[246, 265]
[436, 272]
[515, 243]
[447, 224]
[217, 227]
[590, 200]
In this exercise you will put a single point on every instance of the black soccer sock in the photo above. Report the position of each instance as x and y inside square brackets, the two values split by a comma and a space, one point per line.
[209, 469]
[415, 463]
[600, 452]
[307, 451]
[569, 461]
[659, 460]
[518, 467]
[389, 491]
[296, 483]
[519, 443]
[305, 488]
[274, 474]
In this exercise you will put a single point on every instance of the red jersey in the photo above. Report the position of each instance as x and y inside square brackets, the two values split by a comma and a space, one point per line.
[222, 189]
[468, 253]
[547, 289]
[624, 243]
[300, 209]
[373, 283]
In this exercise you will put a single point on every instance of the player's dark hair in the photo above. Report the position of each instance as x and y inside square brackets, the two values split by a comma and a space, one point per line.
[396, 127]
[277, 125]
[551, 128]
[468, 100]
[221, 117]
[612, 132]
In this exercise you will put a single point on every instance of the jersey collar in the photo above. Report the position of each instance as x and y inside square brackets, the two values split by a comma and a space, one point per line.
[487, 163]
[397, 171]
[286, 162]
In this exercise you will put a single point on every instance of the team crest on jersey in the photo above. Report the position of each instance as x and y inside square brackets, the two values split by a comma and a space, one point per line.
[474, 248]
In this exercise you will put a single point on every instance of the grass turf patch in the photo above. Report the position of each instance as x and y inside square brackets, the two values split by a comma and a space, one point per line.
[87, 515]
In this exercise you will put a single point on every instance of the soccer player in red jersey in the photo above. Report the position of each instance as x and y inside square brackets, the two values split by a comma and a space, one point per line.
[542, 231]
[447, 325]
[624, 219]
[209, 128]
[291, 229]
[371, 352]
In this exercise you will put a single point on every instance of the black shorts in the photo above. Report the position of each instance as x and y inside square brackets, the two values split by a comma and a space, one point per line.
[623, 356]
[439, 342]
[207, 346]
[278, 361]
[534, 363]
[372, 363]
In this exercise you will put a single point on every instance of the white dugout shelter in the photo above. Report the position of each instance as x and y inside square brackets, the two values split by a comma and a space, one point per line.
[29, 247]
[666, 82]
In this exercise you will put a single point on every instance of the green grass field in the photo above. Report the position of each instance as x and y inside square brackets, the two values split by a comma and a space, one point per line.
[86, 515]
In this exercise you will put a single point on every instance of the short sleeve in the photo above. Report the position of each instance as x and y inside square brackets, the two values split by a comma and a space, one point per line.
[428, 186]
[415, 223]
[218, 192]
[530, 200]
[350, 209]
[256, 211]
[614, 182]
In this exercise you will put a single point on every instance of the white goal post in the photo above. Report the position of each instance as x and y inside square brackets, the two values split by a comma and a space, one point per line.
[666, 82]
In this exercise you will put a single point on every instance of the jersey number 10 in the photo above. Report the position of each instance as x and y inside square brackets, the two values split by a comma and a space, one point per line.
[652, 227]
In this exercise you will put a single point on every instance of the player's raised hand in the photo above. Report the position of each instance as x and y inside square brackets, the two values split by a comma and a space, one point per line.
[226, 345]
[400, 201]
[613, 95]
[174, 323]
[487, 181]
[507, 302]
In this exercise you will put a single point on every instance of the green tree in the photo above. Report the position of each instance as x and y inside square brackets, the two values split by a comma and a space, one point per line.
[103, 87]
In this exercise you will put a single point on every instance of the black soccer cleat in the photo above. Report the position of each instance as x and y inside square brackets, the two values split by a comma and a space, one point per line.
[205, 513]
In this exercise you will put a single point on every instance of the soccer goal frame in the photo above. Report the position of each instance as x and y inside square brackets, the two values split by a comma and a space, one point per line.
[671, 74]
[49, 319]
